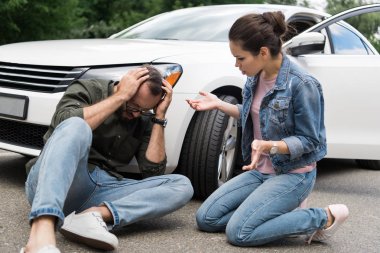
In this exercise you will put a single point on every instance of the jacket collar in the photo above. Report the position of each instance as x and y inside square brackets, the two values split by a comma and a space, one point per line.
[282, 77]
[283, 74]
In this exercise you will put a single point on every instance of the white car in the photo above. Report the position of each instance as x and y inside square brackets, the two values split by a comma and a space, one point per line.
[191, 47]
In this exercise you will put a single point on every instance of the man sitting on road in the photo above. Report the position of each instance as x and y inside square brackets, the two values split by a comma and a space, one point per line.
[76, 184]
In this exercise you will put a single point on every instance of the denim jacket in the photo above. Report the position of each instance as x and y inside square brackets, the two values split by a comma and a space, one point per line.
[293, 111]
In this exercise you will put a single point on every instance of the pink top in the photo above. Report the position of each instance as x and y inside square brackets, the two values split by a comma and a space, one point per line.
[265, 165]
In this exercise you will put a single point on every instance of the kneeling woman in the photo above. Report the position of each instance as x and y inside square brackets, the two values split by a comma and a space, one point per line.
[283, 136]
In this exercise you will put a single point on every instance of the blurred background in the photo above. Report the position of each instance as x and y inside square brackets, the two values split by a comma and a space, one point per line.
[28, 20]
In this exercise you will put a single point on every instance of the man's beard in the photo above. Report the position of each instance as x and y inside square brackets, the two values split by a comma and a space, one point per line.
[120, 114]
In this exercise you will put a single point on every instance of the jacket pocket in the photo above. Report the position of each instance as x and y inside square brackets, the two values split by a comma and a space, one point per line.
[279, 109]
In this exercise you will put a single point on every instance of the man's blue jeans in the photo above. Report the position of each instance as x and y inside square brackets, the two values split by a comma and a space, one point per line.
[255, 208]
[60, 183]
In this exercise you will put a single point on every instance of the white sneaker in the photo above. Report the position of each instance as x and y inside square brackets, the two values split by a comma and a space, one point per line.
[45, 249]
[90, 229]
[340, 214]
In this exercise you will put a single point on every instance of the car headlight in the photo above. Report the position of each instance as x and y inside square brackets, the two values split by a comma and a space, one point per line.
[170, 72]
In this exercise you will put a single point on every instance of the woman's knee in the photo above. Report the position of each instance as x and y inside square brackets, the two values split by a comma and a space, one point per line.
[236, 236]
[232, 234]
[206, 223]
[200, 220]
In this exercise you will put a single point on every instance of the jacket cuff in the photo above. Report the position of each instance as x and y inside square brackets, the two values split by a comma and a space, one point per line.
[295, 146]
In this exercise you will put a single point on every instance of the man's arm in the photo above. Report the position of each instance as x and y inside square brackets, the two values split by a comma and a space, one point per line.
[156, 148]
[152, 156]
[97, 113]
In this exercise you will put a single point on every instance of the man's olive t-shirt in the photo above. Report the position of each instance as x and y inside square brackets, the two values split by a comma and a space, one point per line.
[116, 141]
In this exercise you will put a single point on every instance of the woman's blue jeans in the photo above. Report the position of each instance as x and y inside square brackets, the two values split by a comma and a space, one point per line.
[255, 208]
[60, 183]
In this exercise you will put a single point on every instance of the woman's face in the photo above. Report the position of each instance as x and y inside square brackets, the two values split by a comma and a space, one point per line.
[247, 63]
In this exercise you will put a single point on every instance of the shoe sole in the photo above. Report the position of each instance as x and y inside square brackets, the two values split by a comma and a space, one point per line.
[85, 240]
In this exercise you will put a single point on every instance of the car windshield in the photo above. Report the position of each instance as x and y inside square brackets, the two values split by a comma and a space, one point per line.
[197, 24]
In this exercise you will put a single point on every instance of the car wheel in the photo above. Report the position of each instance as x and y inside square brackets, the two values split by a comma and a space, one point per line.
[369, 164]
[208, 153]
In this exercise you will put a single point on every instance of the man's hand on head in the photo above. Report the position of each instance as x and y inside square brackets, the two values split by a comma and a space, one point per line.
[163, 105]
[131, 82]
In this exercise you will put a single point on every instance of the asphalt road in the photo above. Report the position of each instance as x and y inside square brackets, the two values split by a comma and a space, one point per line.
[339, 181]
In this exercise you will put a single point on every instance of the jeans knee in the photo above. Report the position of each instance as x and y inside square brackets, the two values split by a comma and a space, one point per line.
[184, 186]
[232, 234]
[207, 223]
[76, 128]
[201, 220]
[236, 237]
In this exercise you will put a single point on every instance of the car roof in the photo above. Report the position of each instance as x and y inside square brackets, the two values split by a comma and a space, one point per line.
[288, 10]
[233, 10]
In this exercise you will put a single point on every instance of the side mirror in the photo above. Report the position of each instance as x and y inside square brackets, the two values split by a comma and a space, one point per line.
[305, 43]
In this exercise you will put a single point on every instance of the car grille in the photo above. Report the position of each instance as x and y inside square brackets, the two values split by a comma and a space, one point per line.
[22, 134]
[37, 78]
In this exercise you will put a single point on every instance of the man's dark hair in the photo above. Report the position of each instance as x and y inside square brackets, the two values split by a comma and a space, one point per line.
[154, 81]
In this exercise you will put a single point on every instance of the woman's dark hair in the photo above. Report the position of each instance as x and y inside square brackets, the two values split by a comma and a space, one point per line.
[154, 81]
[254, 31]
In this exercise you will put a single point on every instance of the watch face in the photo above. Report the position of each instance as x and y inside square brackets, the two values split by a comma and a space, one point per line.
[273, 150]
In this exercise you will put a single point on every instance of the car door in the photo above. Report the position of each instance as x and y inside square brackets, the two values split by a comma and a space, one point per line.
[349, 70]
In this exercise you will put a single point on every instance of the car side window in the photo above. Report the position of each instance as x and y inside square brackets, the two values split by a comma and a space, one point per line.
[346, 42]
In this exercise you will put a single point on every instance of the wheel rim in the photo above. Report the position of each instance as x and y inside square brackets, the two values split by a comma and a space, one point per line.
[227, 155]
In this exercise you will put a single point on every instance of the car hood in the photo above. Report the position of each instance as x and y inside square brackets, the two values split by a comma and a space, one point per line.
[93, 52]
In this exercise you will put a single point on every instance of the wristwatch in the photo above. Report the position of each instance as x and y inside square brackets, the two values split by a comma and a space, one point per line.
[274, 148]
[162, 122]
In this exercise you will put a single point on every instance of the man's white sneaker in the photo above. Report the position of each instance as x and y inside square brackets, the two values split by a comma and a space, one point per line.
[90, 229]
[340, 214]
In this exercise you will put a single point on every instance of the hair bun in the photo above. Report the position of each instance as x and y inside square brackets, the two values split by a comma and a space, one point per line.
[277, 21]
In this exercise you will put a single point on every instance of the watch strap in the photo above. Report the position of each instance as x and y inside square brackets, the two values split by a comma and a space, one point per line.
[162, 122]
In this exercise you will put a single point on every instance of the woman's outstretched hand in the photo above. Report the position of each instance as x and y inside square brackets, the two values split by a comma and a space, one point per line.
[208, 101]
[258, 147]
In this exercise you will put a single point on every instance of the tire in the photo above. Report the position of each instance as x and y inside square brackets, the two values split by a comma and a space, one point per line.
[369, 164]
[208, 153]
